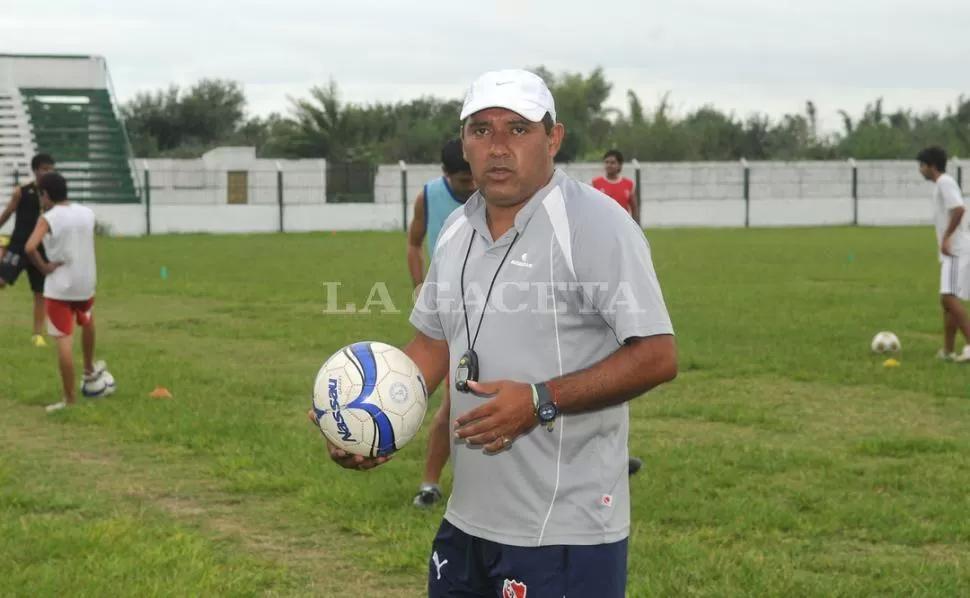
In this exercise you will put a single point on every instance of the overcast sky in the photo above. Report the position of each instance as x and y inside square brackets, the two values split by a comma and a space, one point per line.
[741, 55]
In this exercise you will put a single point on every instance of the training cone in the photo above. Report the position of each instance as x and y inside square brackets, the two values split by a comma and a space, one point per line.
[890, 363]
[161, 393]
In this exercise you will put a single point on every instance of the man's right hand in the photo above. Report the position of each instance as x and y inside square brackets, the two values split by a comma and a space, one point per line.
[945, 247]
[345, 459]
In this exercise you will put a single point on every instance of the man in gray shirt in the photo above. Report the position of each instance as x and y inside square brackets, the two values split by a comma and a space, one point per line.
[575, 326]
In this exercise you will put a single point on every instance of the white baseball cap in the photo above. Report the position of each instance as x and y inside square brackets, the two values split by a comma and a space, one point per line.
[517, 90]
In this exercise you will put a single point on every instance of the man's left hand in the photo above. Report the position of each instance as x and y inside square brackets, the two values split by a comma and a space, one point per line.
[945, 247]
[508, 414]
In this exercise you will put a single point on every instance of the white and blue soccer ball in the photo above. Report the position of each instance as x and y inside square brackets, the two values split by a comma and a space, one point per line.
[885, 342]
[370, 399]
[102, 384]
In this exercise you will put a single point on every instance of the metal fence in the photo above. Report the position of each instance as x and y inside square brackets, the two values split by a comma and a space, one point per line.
[267, 195]
[659, 186]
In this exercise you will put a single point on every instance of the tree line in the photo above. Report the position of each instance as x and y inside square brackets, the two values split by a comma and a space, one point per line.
[185, 123]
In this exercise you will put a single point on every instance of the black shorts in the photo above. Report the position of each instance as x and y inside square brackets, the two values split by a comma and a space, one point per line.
[462, 565]
[15, 261]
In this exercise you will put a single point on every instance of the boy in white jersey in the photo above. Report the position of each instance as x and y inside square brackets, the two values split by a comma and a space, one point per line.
[67, 232]
[953, 248]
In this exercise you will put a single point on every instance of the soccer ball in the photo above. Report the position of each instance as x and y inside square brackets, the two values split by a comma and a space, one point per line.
[885, 342]
[102, 385]
[369, 399]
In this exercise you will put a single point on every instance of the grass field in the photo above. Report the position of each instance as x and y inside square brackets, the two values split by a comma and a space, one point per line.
[783, 461]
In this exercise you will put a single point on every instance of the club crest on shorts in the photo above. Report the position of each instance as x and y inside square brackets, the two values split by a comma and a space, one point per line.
[513, 589]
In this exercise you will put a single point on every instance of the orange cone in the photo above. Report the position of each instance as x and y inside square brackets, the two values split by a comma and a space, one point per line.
[161, 393]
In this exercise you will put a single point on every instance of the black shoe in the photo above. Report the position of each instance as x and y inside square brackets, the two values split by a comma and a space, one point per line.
[427, 496]
[635, 465]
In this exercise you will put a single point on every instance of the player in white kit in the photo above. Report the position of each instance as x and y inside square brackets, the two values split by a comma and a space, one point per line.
[67, 231]
[953, 248]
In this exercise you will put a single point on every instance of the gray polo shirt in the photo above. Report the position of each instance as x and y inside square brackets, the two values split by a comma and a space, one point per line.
[578, 281]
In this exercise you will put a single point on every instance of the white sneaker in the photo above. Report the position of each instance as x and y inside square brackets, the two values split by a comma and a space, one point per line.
[56, 407]
[943, 356]
[427, 496]
[963, 357]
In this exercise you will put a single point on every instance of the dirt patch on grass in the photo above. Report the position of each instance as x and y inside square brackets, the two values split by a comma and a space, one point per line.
[90, 458]
[181, 490]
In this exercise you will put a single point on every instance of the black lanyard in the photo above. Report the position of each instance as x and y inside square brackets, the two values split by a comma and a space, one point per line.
[468, 364]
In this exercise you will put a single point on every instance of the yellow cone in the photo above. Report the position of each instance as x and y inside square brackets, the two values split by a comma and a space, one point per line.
[890, 363]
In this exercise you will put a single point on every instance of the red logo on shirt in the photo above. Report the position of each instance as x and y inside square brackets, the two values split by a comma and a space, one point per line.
[513, 589]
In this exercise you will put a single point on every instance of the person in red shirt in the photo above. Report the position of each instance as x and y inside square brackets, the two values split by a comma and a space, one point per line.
[622, 190]
[618, 187]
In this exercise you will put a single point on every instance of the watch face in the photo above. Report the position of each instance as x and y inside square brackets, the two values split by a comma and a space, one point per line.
[547, 412]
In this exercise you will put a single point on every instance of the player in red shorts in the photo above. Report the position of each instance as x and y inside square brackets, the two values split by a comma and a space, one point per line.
[618, 187]
[67, 232]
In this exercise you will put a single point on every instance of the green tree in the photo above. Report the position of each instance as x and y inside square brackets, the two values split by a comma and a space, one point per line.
[173, 122]
[579, 105]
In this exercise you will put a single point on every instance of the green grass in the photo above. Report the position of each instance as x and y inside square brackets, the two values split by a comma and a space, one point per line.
[783, 461]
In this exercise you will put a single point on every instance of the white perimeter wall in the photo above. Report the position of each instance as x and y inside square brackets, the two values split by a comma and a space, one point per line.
[64, 72]
[192, 195]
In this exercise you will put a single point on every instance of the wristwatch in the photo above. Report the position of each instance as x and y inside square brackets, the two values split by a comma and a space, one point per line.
[545, 407]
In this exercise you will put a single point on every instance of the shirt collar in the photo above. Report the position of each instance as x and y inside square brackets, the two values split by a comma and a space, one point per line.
[475, 207]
